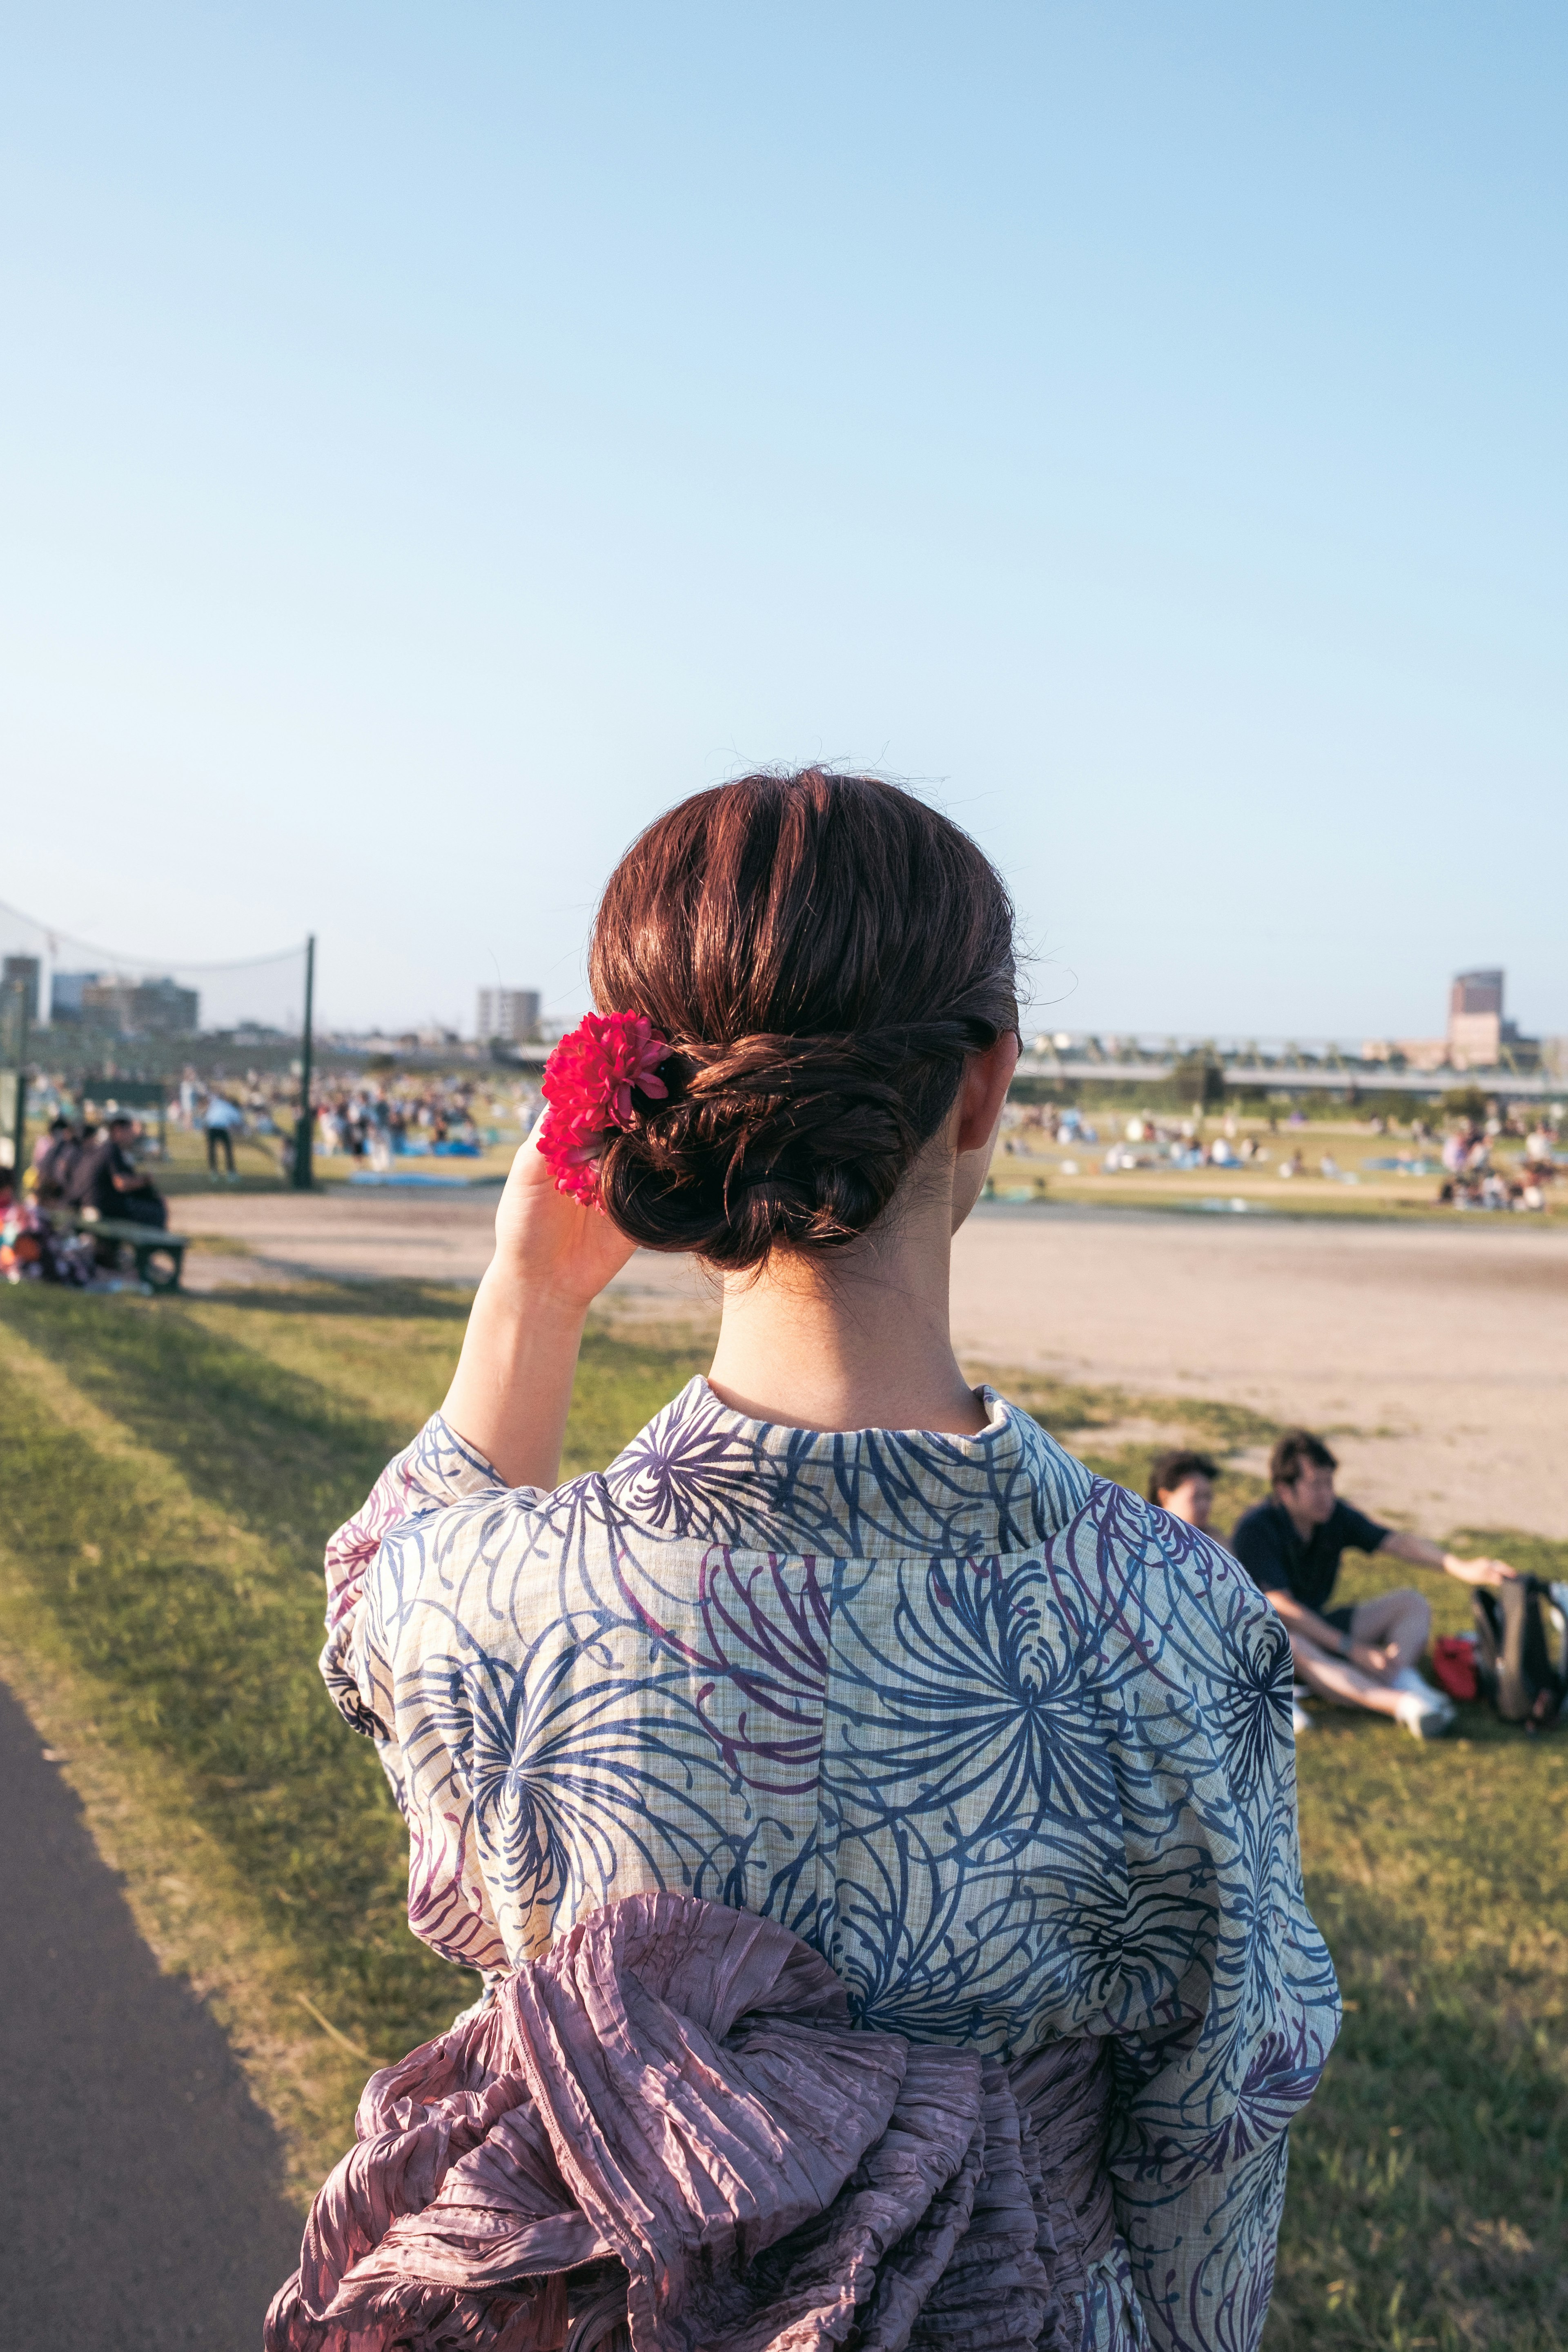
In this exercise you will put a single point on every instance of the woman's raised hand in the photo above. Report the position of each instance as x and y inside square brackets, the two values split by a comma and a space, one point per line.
[547, 1244]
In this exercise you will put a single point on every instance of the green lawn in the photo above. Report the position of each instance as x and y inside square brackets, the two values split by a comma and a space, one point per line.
[170, 1471]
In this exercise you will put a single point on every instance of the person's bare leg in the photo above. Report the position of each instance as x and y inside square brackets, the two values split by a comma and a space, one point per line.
[1403, 1618]
[1335, 1678]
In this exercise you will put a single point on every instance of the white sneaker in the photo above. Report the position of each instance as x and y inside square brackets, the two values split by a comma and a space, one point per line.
[1427, 1716]
[1300, 1720]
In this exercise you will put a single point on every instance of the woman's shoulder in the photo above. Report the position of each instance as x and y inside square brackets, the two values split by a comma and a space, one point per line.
[1163, 1596]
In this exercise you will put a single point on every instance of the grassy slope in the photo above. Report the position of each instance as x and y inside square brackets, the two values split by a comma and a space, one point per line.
[171, 1469]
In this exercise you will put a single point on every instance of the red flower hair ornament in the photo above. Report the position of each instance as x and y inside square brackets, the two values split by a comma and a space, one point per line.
[589, 1081]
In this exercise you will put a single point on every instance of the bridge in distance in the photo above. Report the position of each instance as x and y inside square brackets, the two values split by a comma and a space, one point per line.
[1318, 1067]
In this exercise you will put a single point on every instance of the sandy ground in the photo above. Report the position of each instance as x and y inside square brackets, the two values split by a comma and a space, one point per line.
[1437, 1355]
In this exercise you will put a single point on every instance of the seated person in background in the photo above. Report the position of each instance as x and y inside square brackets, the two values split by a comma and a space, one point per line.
[111, 1181]
[1365, 1656]
[55, 1156]
[1540, 1146]
[1183, 1482]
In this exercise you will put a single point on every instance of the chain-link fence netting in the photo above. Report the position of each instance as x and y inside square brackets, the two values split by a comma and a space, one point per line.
[85, 1031]
[91, 1012]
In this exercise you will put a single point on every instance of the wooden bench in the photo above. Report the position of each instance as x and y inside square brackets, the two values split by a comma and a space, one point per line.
[146, 1243]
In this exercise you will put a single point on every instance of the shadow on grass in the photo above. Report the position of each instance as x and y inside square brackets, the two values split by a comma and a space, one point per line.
[379, 1298]
[278, 1449]
[203, 1640]
[1426, 2198]
[203, 1653]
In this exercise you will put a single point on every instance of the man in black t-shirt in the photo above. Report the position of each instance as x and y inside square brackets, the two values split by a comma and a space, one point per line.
[108, 1179]
[1365, 1656]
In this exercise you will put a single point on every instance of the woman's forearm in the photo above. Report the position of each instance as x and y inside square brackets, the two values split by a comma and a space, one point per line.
[511, 1392]
[512, 1388]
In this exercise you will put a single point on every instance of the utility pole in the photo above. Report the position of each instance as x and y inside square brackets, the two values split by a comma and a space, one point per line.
[15, 1083]
[305, 1125]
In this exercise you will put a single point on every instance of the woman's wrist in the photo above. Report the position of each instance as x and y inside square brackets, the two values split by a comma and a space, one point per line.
[516, 1295]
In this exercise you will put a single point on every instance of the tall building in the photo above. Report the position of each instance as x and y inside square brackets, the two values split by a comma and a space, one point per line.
[509, 1013]
[1478, 1032]
[25, 969]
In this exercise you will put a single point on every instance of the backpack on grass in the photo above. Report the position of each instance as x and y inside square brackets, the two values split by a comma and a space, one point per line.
[1521, 1649]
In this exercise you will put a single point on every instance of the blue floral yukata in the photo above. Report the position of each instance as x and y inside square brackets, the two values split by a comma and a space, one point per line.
[1011, 1747]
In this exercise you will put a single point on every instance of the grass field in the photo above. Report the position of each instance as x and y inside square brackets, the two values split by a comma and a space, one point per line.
[1030, 1167]
[171, 1469]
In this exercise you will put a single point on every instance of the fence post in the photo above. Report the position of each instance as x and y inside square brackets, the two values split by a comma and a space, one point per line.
[305, 1124]
[15, 1045]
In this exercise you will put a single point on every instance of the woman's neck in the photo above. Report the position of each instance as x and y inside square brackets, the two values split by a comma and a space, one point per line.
[856, 1340]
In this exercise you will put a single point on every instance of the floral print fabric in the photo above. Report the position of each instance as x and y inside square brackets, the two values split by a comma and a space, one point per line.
[1010, 1747]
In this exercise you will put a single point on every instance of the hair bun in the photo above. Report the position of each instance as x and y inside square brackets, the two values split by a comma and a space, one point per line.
[822, 953]
[779, 1140]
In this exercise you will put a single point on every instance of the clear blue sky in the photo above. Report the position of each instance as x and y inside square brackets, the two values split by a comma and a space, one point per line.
[436, 438]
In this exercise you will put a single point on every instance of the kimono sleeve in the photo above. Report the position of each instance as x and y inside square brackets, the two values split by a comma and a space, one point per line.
[1229, 2005]
[448, 1904]
[439, 1469]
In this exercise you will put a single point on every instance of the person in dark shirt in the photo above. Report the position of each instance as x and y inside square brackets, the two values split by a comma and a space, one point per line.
[1363, 1656]
[109, 1180]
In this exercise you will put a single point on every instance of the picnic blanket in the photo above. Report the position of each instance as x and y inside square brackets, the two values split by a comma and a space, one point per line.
[669, 2127]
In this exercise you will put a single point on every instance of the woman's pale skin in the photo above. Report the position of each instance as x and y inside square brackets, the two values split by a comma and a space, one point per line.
[858, 1340]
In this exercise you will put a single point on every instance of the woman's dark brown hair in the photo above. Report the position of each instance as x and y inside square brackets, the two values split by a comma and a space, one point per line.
[823, 952]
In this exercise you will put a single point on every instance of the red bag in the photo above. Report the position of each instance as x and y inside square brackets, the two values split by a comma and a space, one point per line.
[1454, 1663]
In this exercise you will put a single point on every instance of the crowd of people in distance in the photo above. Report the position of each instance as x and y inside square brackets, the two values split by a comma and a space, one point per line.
[84, 1172]
[378, 1122]
[1471, 1180]
[88, 1167]
[1147, 1140]
[1475, 1173]
[1291, 1544]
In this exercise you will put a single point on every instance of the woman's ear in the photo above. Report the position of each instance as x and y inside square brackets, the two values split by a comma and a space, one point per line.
[986, 1079]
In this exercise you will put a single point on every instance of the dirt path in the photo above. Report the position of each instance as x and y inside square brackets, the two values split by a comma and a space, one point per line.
[1437, 1355]
[139, 2179]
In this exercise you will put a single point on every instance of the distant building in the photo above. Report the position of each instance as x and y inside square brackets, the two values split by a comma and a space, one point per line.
[26, 969]
[508, 1013]
[1407, 1053]
[1479, 1035]
[66, 989]
[131, 1008]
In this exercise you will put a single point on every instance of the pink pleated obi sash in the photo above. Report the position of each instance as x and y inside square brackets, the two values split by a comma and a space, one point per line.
[668, 2126]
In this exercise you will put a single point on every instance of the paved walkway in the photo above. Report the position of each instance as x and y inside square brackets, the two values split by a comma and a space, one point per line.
[139, 2180]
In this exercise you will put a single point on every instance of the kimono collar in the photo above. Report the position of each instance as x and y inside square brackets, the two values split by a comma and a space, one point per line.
[703, 1472]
